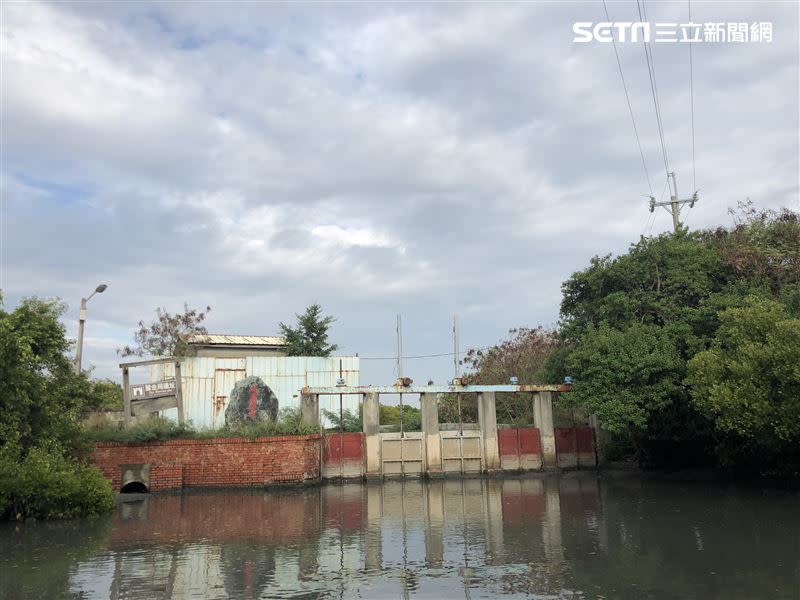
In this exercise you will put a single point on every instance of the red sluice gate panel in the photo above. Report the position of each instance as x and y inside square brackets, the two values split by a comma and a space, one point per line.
[530, 441]
[507, 441]
[565, 440]
[585, 440]
[343, 446]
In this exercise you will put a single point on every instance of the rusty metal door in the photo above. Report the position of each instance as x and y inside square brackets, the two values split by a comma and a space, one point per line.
[224, 381]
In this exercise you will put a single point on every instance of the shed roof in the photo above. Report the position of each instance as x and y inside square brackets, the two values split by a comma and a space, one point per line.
[221, 339]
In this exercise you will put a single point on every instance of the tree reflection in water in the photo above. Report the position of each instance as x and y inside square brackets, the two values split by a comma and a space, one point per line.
[558, 536]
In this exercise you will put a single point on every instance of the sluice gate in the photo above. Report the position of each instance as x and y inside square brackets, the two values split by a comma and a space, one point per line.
[484, 447]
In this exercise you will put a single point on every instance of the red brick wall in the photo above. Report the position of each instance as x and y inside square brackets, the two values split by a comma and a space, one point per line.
[215, 462]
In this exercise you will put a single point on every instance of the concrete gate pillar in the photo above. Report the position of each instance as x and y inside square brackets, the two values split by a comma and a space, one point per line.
[430, 431]
[543, 419]
[372, 441]
[309, 409]
[487, 419]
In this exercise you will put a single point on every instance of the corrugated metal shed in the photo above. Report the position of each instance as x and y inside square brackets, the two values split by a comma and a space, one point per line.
[208, 381]
[221, 339]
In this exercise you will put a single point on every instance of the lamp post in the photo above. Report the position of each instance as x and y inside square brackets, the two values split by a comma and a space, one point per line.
[81, 320]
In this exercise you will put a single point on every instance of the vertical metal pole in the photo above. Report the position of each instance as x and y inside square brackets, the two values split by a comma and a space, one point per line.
[399, 347]
[79, 349]
[341, 428]
[455, 346]
[456, 373]
[402, 433]
[400, 372]
[126, 394]
[460, 418]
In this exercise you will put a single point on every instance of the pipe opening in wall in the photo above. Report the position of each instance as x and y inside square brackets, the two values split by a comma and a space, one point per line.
[134, 487]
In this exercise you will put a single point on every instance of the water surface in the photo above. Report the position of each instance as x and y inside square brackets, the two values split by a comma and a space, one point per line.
[554, 537]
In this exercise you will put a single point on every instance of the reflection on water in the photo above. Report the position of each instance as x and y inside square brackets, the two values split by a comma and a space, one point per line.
[542, 537]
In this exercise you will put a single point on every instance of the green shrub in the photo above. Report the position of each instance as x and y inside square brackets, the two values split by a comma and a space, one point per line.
[149, 430]
[412, 417]
[350, 421]
[289, 422]
[47, 485]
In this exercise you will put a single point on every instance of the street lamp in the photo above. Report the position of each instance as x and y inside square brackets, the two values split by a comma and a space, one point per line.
[81, 320]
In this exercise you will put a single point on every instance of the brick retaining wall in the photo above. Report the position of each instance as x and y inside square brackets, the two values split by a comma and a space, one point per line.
[217, 462]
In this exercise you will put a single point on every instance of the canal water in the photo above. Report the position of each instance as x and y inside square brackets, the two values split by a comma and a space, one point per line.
[574, 536]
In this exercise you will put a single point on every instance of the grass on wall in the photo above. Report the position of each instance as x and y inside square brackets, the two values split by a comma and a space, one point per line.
[156, 428]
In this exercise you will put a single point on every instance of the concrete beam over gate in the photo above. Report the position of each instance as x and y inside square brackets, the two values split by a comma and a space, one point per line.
[434, 389]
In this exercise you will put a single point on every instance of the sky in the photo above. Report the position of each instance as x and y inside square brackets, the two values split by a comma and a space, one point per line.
[424, 159]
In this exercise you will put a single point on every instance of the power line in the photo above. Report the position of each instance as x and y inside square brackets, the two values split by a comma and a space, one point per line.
[675, 203]
[630, 108]
[691, 95]
[419, 355]
[651, 71]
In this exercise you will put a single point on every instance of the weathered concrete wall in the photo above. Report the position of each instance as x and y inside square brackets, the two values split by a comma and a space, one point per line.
[430, 430]
[175, 464]
[487, 419]
[372, 443]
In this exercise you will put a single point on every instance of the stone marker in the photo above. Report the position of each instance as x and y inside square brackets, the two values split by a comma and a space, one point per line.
[251, 400]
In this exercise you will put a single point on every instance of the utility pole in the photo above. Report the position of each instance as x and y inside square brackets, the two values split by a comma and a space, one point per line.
[399, 347]
[456, 373]
[674, 203]
[79, 347]
[81, 320]
[455, 346]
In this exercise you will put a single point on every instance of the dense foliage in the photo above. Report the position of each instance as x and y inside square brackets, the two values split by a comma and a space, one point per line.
[167, 334]
[42, 401]
[685, 347]
[632, 324]
[45, 484]
[108, 394]
[748, 384]
[349, 421]
[523, 355]
[309, 337]
[393, 414]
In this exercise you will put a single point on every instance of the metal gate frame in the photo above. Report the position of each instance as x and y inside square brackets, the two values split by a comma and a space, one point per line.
[411, 450]
[448, 462]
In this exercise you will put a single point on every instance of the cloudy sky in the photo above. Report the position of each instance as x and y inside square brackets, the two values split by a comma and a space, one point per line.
[416, 158]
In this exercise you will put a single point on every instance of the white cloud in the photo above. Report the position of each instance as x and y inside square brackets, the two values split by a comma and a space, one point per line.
[422, 159]
[340, 236]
